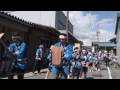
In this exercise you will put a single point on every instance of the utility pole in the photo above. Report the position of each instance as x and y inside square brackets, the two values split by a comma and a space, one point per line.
[67, 26]
[105, 42]
[98, 33]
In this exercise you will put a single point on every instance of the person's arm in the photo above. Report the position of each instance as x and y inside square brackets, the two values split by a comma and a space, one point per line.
[37, 54]
[10, 48]
[22, 49]
[49, 57]
[10, 51]
[74, 55]
[68, 54]
[41, 52]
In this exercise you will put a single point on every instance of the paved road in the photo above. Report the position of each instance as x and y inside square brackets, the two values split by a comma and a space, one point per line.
[103, 74]
[37, 76]
[115, 73]
[31, 75]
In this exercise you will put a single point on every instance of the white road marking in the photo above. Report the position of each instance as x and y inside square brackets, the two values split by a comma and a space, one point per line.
[46, 76]
[109, 73]
[68, 77]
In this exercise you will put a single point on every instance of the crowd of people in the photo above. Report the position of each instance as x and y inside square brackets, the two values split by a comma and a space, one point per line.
[92, 61]
[76, 62]
[64, 60]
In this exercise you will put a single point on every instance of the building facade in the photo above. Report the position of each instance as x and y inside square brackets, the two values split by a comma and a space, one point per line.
[55, 19]
[104, 46]
[33, 34]
[39, 17]
[117, 32]
[36, 27]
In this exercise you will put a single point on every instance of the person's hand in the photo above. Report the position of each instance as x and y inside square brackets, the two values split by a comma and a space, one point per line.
[82, 62]
[50, 63]
[73, 63]
[86, 64]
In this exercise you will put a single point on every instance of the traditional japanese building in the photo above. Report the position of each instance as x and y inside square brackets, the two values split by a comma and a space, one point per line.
[104, 46]
[33, 34]
[117, 32]
[36, 27]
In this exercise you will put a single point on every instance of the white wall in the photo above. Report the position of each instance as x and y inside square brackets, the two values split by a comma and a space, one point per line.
[39, 17]
[118, 43]
[48, 18]
[65, 13]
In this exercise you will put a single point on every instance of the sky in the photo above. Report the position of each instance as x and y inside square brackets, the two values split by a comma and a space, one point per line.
[86, 23]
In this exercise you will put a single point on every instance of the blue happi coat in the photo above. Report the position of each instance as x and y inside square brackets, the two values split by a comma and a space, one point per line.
[21, 54]
[39, 54]
[76, 61]
[68, 51]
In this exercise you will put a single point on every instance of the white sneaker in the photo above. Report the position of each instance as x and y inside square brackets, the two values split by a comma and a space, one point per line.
[98, 69]
[89, 70]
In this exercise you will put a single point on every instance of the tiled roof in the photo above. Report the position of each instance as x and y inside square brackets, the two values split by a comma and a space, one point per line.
[26, 23]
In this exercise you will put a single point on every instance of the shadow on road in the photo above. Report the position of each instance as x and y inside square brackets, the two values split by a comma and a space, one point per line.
[97, 75]
[104, 69]
[44, 72]
[89, 78]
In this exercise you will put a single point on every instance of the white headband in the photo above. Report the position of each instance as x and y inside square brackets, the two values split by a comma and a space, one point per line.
[62, 36]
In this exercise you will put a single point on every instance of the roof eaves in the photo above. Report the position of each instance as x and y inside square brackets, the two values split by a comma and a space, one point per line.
[117, 22]
[26, 23]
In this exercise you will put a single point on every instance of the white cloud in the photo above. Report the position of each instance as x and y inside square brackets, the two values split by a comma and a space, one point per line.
[81, 21]
[85, 26]
[106, 35]
[106, 23]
